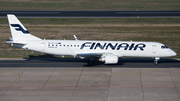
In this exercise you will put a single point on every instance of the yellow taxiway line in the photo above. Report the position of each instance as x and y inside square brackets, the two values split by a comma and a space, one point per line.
[17, 78]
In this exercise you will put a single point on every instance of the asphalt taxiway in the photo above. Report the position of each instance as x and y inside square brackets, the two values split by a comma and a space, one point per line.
[74, 80]
[93, 14]
[77, 63]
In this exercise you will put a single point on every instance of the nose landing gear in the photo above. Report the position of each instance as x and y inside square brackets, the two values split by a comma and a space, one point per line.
[156, 59]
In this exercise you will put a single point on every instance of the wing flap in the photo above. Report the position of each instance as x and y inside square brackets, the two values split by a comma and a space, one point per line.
[95, 54]
[90, 54]
[84, 54]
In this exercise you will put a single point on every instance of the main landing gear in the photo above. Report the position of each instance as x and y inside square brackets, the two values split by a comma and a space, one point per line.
[156, 59]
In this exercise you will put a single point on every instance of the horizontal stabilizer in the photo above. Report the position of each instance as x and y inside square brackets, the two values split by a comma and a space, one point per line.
[12, 42]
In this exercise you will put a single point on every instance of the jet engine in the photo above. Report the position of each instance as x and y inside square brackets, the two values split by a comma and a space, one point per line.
[109, 59]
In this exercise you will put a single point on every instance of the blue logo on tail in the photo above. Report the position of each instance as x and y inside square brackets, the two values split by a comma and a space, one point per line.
[20, 28]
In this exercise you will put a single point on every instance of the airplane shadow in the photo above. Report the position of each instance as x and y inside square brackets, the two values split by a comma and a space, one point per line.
[70, 62]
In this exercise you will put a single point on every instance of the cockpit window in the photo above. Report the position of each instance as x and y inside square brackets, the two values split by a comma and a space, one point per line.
[164, 47]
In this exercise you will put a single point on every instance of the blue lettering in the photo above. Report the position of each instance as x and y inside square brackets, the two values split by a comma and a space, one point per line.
[140, 47]
[123, 45]
[126, 46]
[92, 45]
[131, 47]
[83, 45]
[112, 47]
[100, 46]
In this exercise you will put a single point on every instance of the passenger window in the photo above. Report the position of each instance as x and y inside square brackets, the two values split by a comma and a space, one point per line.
[74, 45]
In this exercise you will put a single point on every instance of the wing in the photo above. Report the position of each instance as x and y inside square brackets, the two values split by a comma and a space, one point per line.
[97, 55]
[86, 55]
[108, 58]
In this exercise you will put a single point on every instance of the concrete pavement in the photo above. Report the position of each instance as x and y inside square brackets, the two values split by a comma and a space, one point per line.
[89, 84]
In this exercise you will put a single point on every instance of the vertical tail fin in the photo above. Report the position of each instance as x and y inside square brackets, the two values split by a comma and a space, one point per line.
[18, 31]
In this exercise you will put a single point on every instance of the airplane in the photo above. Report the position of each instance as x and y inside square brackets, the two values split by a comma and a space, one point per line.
[108, 52]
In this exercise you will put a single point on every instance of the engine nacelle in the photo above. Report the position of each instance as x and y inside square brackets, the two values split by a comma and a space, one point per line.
[109, 59]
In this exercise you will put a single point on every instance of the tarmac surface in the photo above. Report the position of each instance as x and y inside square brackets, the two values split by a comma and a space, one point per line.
[93, 14]
[73, 80]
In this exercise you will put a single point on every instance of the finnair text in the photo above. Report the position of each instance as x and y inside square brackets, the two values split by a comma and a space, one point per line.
[116, 46]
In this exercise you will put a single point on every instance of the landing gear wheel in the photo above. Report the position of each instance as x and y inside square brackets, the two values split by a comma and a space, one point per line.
[156, 60]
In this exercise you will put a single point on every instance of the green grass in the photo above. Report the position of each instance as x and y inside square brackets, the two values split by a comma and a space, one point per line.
[89, 4]
[164, 30]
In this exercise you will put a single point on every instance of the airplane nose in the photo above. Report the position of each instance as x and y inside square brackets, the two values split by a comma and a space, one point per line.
[173, 53]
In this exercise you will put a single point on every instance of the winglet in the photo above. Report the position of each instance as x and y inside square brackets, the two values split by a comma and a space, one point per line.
[11, 38]
[75, 38]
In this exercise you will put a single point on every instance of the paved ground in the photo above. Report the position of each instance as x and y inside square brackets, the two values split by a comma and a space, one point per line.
[123, 82]
[92, 14]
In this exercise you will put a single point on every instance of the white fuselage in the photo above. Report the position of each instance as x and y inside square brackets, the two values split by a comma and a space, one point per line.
[107, 51]
[119, 48]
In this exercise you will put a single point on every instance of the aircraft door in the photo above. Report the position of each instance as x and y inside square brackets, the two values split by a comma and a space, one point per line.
[154, 49]
[43, 46]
